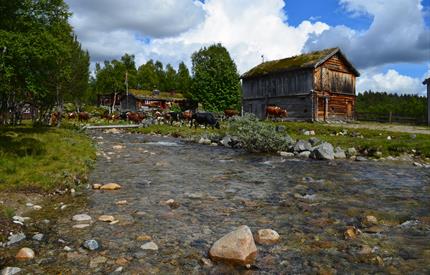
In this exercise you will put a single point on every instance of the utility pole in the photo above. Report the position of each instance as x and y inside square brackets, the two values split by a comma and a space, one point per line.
[126, 87]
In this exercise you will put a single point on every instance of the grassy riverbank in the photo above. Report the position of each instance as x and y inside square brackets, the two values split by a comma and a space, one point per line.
[364, 140]
[43, 159]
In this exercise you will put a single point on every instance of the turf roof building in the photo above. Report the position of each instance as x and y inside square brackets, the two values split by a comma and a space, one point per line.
[314, 86]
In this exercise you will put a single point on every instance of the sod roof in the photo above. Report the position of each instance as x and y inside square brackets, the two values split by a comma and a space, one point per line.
[304, 61]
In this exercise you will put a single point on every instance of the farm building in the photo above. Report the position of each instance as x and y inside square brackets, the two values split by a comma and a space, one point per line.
[427, 82]
[314, 86]
[139, 100]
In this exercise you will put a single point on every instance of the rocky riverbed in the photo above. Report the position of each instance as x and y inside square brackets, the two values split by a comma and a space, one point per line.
[175, 199]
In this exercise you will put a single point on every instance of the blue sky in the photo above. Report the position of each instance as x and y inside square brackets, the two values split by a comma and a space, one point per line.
[387, 40]
[333, 14]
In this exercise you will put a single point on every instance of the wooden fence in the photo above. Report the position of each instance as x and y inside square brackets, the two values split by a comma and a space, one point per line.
[390, 118]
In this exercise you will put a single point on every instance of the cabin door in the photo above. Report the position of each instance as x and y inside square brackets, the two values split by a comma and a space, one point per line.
[349, 110]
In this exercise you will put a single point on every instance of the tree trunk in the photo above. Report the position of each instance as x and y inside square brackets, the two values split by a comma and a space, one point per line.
[114, 102]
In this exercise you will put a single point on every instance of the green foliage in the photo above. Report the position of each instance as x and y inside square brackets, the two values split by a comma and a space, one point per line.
[41, 60]
[43, 158]
[413, 106]
[184, 80]
[215, 79]
[257, 136]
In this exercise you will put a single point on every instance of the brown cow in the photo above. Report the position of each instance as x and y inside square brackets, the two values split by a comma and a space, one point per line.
[135, 117]
[275, 111]
[230, 113]
[83, 116]
[71, 115]
[53, 121]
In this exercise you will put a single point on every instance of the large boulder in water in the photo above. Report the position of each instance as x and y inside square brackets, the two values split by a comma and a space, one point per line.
[237, 247]
[324, 151]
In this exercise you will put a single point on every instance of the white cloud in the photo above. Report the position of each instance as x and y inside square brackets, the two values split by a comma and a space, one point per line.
[397, 33]
[391, 82]
[248, 28]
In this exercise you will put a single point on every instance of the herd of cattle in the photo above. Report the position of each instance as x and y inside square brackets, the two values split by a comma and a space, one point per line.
[186, 117]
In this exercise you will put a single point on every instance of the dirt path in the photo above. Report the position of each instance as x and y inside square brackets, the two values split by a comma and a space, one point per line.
[388, 127]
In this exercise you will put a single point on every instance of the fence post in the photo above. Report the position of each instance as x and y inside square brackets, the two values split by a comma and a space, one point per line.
[391, 117]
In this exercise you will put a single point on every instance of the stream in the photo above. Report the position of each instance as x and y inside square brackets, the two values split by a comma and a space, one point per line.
[309, 203]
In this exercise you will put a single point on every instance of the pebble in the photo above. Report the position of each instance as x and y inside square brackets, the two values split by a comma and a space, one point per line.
[67, 248]
[286, 154]
[197, 195]
[63, 207]
[37, 207]
[38, 237]
[81, 226]
[144, 238]
[106, 218]
[119, 269]
[15, 238]
[25, 253]
[267, 236]
[97, 186]
[207, 262]
[417, 164]
[10, 270]
[123, 202]
[110, 186]
[149, 246]
[360, 158]
[91, 245]
[351, 233]
[29, 204]
[370, 220]
[20, 219]
[81, 218]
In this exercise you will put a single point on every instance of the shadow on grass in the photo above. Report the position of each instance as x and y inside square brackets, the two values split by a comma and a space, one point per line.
[14, 141]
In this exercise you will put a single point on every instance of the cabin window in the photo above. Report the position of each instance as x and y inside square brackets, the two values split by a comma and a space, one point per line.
[305, 110]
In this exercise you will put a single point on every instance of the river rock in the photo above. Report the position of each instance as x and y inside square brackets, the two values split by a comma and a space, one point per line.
[301, 146]
[81, 226]
[150, 246]
[10, 270]
[205, 141]
[106, 218]
[37, 207]
[351, 152]
[91, 245]
[305, 154]
[81, 218]
[24, 254]
[324, 152]
[370, 220]
[280, 128]
[267, 236]
[97, 186]
[339, 153]
[226, 141]
[38, 237]
[110, 186]
[237, 247]
[121, 202]
[286, 154]
[15, 238]
[359, 158]
[314, 141]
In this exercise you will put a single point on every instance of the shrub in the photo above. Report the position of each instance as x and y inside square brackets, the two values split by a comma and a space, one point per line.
[257, 136]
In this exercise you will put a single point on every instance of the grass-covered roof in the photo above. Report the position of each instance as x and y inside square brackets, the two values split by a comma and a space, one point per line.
[145, 94]
[308, 60]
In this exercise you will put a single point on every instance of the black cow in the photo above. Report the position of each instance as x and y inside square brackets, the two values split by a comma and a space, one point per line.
[205, 119]
[173, 116]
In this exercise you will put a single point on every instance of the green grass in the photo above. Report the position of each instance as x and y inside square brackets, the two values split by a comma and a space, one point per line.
[373, 140]
[42, 159]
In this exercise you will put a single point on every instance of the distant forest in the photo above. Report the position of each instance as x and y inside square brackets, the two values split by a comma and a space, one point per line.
[413, 106]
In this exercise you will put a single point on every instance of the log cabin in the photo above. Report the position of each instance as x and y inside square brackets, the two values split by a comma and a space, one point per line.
[316, 86]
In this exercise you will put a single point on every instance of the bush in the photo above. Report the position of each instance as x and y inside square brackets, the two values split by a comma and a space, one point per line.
[257, 136]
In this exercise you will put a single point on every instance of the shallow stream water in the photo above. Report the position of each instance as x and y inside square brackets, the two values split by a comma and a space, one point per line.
[309, 203]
